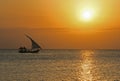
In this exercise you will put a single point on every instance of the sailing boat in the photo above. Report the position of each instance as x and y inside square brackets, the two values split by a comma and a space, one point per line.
[35, 48]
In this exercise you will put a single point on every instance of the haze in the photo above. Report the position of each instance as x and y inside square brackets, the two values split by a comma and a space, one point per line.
[57, 24]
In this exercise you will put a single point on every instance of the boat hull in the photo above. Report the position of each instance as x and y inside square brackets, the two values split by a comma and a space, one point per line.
[35, 51]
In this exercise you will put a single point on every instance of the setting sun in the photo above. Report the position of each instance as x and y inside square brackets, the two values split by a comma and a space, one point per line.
[87, 15]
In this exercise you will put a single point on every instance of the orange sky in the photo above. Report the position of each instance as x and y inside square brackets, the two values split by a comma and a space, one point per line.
[56, 24]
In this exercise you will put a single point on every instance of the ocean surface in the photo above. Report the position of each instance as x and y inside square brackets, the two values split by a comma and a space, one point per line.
[60, 65]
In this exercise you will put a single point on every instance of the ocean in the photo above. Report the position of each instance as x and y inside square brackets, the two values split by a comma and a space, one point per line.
[60, 65]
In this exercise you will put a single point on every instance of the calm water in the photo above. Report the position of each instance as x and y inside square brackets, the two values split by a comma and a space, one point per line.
[60, 65]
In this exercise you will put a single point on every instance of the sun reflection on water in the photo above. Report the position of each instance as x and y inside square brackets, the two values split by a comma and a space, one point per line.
[86, 65]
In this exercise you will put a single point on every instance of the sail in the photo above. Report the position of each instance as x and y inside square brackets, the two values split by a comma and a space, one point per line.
[34, 44]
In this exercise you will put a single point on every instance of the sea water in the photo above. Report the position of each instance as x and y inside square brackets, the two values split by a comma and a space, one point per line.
[60, 65]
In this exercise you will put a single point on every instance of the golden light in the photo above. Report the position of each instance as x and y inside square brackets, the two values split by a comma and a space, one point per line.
[87, 15]
[87, 65]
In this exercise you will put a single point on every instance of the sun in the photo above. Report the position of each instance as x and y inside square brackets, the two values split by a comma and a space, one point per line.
[87, 15]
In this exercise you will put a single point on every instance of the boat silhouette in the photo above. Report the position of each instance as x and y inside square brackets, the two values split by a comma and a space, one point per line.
[35, 48]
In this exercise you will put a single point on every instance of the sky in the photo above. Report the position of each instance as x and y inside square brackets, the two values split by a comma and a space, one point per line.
[60, 24]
